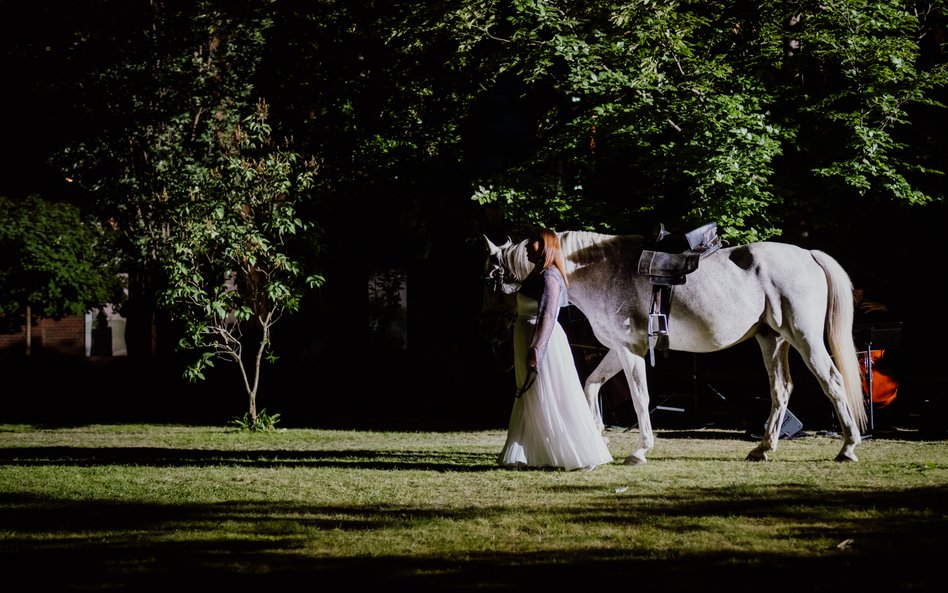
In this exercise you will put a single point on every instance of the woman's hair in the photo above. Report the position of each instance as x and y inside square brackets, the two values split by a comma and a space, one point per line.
[549, 250]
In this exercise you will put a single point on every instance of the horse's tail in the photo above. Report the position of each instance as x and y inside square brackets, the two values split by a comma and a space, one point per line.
[839, 334]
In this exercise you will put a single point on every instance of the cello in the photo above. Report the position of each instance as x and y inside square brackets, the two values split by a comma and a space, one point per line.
[875, 336]
[884, 385]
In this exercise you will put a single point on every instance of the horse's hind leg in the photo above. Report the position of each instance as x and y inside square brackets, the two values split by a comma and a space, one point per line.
[605, 370]
[821, 364]
[775, 351]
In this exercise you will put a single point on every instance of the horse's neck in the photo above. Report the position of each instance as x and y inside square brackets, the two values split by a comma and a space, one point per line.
[517, 261]
[581, 248]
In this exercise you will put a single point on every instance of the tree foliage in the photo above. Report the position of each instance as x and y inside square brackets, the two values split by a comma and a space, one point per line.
[765, 117]
[231, 271]
[727, 111]
[183, 165]
[54, 261]
[173, 74]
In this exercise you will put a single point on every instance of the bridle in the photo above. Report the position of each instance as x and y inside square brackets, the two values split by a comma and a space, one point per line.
[500, 283]
[499, 314]
[500, 276]
[502, 313]
[495, 278]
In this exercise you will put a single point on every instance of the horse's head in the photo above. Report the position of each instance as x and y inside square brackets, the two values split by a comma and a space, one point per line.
[497, 273]
[499, 308]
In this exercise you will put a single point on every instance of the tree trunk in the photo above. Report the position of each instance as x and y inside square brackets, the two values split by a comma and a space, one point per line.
[29, 330]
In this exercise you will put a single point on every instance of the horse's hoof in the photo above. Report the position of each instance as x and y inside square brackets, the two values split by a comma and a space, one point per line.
[842, 457]
[633, 460]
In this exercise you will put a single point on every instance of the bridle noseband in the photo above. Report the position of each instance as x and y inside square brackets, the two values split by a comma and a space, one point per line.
[495, 279]
[497, 309]
[500, 276]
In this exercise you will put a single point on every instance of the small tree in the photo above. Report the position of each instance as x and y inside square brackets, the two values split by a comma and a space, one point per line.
[54, 262]
[231, 272]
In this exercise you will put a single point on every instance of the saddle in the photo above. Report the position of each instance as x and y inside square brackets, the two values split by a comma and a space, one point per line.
[667, 261]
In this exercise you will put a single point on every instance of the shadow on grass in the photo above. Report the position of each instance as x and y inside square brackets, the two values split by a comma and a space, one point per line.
[57, 545]
[160, 457]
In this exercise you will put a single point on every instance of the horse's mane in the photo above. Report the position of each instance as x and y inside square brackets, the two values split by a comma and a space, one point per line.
[573, 241]
[581, 248]
[515, 260]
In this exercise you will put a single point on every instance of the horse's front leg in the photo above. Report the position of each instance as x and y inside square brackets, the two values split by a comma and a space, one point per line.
[775, 351]
[634, 367]
[607, 368]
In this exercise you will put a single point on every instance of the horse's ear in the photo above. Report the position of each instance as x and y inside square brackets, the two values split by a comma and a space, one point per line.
[493, 249]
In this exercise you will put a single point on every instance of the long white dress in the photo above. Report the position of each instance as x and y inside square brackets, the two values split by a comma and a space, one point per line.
[551, 425]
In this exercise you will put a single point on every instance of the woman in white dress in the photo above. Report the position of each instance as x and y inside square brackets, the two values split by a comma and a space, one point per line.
[551, 425]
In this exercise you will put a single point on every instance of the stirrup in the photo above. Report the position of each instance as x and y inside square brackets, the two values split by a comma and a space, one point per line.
[657, 330]
[657, 324]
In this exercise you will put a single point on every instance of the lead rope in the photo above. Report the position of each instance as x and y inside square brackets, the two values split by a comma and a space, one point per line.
[527, 382]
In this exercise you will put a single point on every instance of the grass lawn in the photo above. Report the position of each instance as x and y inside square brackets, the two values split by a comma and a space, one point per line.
[147, 507]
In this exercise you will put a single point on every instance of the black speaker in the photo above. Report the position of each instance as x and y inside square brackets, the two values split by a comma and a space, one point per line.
[791, 426]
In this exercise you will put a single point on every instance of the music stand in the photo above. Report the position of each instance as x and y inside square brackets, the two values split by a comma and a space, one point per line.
[882, 336]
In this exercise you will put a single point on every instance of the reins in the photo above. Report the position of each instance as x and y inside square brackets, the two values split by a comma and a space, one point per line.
[528, 382]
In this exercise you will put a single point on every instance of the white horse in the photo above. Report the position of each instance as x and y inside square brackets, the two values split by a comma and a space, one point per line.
[779, 294]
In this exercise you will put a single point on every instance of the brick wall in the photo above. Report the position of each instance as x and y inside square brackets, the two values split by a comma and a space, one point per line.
[66, 336]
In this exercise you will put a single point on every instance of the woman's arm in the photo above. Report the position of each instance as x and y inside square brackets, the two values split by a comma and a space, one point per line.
[549, 310]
